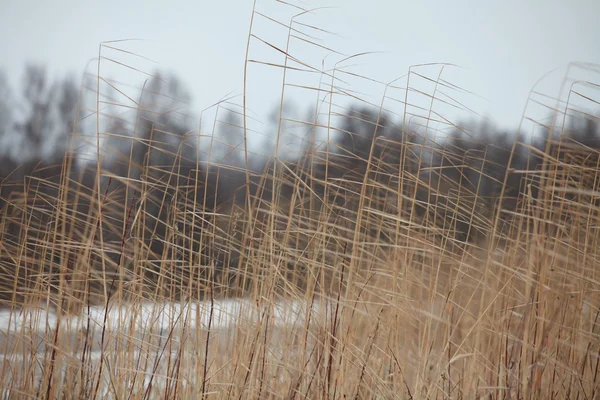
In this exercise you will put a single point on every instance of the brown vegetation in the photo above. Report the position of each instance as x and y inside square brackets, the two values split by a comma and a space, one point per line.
[424, 268]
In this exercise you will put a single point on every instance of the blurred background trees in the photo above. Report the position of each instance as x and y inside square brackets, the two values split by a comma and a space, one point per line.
[154, 149]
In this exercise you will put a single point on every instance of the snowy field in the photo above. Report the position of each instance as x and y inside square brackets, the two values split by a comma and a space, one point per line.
[147, 317]
[147, 335]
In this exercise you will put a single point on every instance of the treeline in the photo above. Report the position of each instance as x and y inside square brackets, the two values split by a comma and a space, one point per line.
[154, 161]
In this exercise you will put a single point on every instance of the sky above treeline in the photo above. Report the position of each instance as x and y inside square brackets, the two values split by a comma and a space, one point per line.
[500, 48]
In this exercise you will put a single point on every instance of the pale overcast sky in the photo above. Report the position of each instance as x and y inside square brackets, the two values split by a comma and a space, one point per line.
[503, 47]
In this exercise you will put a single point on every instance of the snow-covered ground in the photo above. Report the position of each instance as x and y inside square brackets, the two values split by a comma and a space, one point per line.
[141, 331]
[162, 316]
[147, 318]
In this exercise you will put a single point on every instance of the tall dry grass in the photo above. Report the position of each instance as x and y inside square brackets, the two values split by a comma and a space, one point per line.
[343, 290]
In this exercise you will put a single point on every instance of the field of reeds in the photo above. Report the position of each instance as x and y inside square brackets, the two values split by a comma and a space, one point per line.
[397, 254]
